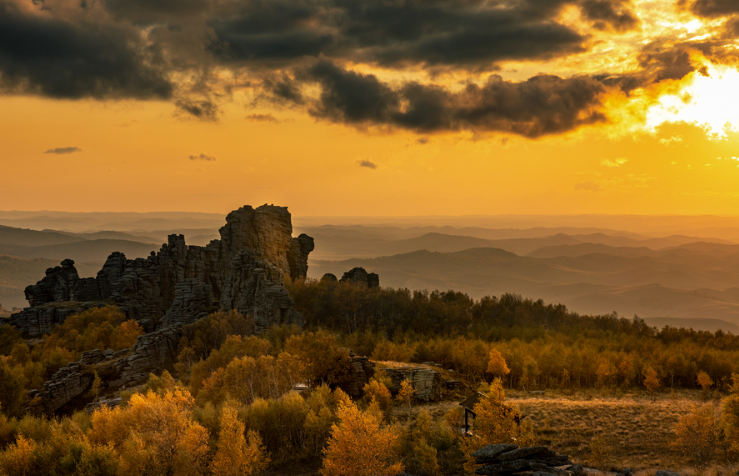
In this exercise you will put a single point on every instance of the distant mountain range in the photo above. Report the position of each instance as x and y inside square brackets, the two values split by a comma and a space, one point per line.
[687, 283]
[674, 278]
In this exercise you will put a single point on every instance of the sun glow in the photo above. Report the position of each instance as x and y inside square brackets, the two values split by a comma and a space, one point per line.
[709, 101]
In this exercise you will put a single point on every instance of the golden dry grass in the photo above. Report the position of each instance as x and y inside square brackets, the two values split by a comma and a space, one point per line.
[635, 432]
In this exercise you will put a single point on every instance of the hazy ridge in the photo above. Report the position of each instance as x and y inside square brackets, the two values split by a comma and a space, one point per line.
[587, 263]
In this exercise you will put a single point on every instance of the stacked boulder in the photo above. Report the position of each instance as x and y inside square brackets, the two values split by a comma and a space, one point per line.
[244, 270]
[507, 459]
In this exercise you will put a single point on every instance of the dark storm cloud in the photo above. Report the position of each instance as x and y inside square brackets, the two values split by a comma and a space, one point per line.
[609, 14]
[711, 8]
[150, 11]
[63, 150]
[367, 163]
[658, 62]
[434, 32]
[671, 63]
[543, 105]
[51, 57]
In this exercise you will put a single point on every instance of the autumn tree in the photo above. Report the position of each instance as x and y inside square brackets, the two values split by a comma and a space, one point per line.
[696, 434]
[406, 394]
[360, 446]
[497, 364]
[495, 422]
[378, 391]
[651, 381]
[17, 459]
[154, 435]
[705, 381]
[237, 455]
[12, 390]
[730, 414]
[325, 361]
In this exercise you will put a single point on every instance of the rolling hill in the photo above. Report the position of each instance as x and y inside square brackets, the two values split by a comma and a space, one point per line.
[686, 286]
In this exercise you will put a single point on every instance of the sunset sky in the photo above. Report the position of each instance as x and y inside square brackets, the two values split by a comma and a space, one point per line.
[371, 107]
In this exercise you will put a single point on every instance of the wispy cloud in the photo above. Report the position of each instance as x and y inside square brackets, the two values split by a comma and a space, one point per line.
[588, 187]
[367, 163]
[203, 157]
[613, 163]
[262, 118]
[63, 150]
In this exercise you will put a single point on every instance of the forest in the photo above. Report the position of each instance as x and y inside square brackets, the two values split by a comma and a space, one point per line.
[240, 403]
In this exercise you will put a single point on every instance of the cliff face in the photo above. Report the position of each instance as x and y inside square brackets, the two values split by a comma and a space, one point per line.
[244, 270]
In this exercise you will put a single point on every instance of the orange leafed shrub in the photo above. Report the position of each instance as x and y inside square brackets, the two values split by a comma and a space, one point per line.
[359, 446]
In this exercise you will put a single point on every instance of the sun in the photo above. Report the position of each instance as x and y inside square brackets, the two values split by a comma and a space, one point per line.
[707, 100]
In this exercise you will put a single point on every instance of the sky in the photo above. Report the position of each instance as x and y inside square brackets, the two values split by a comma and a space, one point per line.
[371, 107]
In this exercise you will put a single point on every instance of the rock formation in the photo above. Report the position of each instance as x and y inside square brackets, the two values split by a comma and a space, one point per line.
[360, 276]
[510, 459]
[244, 270]
[126, 368]
[428, 383]
[362, 370]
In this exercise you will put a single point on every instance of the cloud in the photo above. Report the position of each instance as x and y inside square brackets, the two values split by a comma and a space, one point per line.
[542, 105]
[262, 118]
[613, 163]
[711, 8]
[54, 57]
[610, 15]
[203, 157]
[422, 140]
[367, 163]
[203, 109]
[149, 11]
[588, 187]
[63, 150]
[476, 33]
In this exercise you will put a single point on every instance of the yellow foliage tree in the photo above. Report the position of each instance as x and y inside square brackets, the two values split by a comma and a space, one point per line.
[359, 446]
[495, 422]
[705, 381]
[696, 434]
[377, 390]
[237, 455]
[497, 364]
[406, 394]
[730, 414]
[651, 381]
[154, 435]
[17, 459]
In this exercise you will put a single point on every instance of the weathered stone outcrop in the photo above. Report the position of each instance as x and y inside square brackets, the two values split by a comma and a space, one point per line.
[66, 384]
[152, 352]
[507, 459]
[503, 459]
[244, 270]
[360, 276]
[192, 301]
[429, 384]
[362, 370]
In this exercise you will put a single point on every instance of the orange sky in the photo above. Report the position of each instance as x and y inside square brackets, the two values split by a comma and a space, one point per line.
[135, 154]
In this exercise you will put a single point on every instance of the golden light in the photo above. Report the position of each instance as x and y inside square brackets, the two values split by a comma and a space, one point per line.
[711, 102]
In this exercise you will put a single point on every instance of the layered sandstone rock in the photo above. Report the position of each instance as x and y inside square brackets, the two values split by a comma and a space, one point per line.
[244, 270]
[429, 384]
[126, 368]
[362, 370]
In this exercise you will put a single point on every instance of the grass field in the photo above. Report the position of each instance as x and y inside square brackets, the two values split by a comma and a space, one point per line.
[610, 430]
